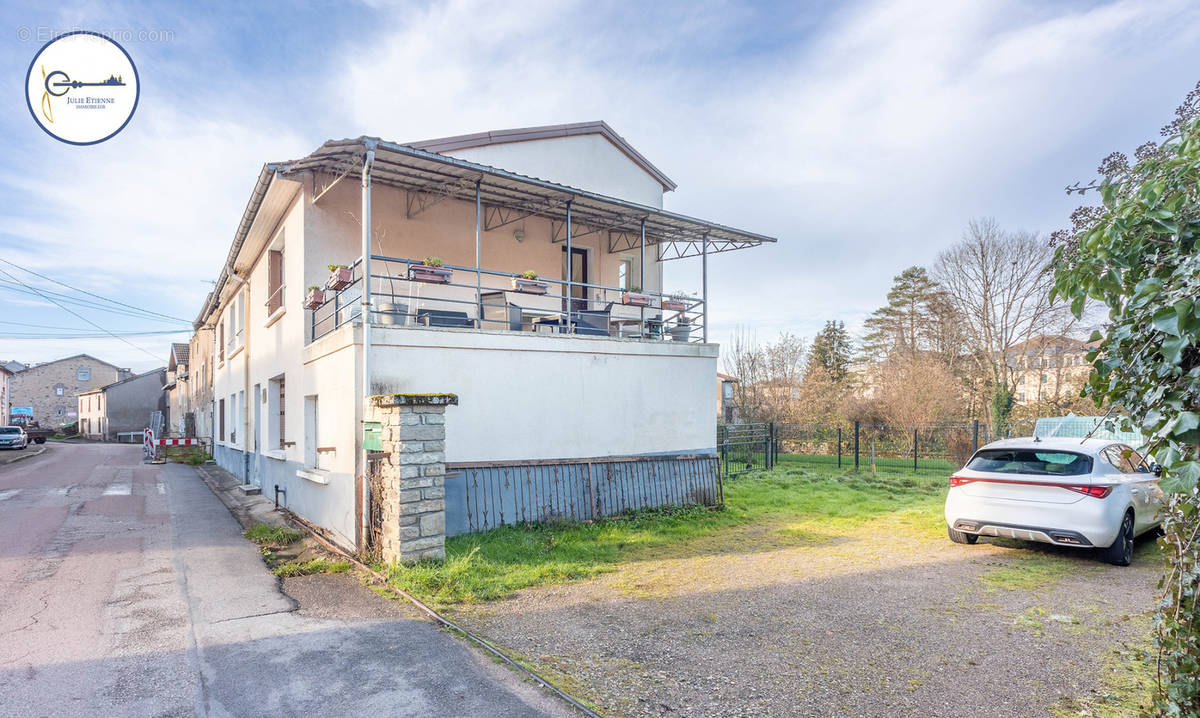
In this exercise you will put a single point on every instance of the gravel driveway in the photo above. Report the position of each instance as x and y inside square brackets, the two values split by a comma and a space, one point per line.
[880, 620]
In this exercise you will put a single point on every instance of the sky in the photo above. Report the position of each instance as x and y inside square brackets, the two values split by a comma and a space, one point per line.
[864, 135]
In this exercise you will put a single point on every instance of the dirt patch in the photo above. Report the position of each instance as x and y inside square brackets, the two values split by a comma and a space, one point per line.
[867, 622]
[345, 596]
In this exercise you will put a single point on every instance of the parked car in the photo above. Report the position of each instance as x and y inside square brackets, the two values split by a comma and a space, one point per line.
[13, 437]
[1069, 492]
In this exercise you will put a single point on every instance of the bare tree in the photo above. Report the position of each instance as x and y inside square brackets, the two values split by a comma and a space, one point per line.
[998, 283]
[768, 375]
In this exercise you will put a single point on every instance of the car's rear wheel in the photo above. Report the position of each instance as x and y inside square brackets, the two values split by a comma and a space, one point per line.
[960, 536]
[1121, 551]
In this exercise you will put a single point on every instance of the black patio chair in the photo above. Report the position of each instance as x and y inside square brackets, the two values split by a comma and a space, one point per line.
[593, 322]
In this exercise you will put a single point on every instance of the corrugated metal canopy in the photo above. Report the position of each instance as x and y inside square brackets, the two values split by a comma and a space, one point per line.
[508, 197]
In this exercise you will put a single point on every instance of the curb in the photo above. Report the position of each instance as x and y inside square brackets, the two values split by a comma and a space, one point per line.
[26, 455]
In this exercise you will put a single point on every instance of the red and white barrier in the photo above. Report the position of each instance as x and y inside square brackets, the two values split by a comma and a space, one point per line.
[178, 442]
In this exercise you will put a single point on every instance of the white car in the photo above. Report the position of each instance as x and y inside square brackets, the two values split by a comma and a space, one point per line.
[1068, 492]
[13, 437]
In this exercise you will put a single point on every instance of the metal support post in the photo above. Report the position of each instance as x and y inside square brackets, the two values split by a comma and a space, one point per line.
[975, 437]
[365, 523]
[478, 275]
[570, 270]
[642, 279]
[856, 446]
[914, 448]
[704, 280]
[839, 447]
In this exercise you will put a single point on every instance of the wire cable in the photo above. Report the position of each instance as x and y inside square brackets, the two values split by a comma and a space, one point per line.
[80, 316]
[90, 294]
[11, 286]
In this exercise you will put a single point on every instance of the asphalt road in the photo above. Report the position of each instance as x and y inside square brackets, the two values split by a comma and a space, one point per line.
[127, 590]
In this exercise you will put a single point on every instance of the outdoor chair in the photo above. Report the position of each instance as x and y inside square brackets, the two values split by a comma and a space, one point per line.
[498, 312]
[593, 322]
[441, 318]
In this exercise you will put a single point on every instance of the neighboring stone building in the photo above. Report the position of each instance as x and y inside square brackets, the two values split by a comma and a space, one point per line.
[182, 421]
[121, 407]
[199, 385]
[50, 388]
[726, 408]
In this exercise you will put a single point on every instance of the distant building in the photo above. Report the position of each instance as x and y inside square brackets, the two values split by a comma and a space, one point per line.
[726, 410]
[50, 388]
[181, 421]
[123, 406]
[1047, 367]
[5, 373]
[200, 381]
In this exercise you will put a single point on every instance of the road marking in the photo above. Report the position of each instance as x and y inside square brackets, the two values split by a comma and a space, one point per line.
[64, 490]
[119, 490]
[161, 489]
[9, 494]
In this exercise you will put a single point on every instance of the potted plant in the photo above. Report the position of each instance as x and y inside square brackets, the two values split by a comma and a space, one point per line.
[682, 331]
[675, 302]
[314, 298]
[431, 271]
[528, 283]
[635, 298]
[340, 277]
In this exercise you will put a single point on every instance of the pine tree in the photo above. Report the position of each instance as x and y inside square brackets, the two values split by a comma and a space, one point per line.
[903, 327]
[831, 351]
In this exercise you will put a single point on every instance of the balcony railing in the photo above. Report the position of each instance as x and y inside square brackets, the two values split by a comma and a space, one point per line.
[504, 301]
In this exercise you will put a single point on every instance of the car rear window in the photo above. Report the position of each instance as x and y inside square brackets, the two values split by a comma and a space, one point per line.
[9, 430]
[1031, 461]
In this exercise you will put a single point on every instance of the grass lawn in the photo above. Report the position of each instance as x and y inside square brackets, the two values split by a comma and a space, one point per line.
[795, 501]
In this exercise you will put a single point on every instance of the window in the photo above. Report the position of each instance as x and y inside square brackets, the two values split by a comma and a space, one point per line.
[727, 390]
[1031, 461]
[276, 413]
[274, 281]
[59, 389]
[221, 349]
[312, 440]
[625, 278]
[221, 412]
[83, 373]
[59, 411]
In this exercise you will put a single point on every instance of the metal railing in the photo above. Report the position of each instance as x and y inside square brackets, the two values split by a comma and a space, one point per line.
[491, 300]
[745, 447]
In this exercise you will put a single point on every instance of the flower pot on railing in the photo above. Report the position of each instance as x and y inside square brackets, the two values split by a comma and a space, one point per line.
[635, 299]
[314, 298]
[530, 286]
[339, 278]
[674, 305]
[430, 274]
[681, 332]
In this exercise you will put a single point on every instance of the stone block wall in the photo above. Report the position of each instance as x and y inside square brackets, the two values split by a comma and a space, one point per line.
[408, 488]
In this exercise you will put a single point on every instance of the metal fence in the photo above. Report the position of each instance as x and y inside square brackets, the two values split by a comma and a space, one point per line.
[746, 447]
[932, 449]
[488, 495]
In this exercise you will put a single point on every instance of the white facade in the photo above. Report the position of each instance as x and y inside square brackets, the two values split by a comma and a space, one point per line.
[287, 411]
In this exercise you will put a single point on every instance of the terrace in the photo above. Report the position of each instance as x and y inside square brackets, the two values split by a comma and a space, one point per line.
[581, 263]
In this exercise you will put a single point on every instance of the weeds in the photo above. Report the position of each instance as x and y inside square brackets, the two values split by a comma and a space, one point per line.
[305, 568]
[272, 536]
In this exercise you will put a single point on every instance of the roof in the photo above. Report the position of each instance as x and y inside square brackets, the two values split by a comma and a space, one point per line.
[73, 356]
[725, 377]
[1052, 343]
[126, 380]
[506, 197]
[527, 134]
[179, 355]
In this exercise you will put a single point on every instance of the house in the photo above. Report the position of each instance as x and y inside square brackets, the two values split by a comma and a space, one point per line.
[5, 373]
[179, 409]
[726, 409]
[122, 407]
[50, 388]
[541, 308]
[1048, 366]
[199, 385]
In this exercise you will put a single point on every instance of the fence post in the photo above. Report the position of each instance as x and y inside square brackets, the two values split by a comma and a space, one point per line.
[914, 449]
[767, 456]
[856, 445]
[975, 437]
[839, 447]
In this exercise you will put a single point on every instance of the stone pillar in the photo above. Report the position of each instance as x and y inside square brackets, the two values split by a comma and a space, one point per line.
[409, 488]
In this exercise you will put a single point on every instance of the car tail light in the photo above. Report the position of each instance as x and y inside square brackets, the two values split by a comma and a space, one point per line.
[1098, 492]
[959, 480]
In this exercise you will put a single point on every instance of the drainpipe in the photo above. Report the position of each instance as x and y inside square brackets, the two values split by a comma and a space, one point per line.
[245, 418]
[368, 162]
[704, 271]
